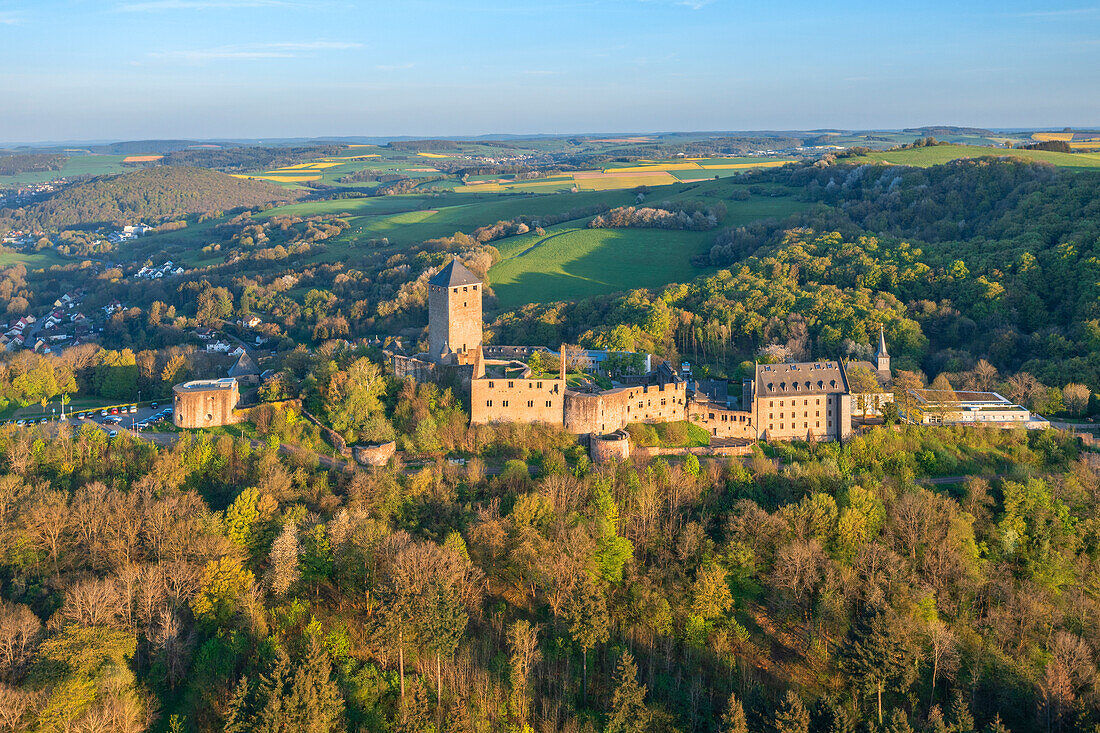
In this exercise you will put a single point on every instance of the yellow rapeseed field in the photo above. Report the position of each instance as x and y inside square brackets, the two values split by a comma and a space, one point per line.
[433, 155]
[1048, 136]
[141, 158]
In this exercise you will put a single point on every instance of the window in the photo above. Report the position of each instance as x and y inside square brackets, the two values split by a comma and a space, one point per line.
[504, 403]
[511, 384]
[530, 403]
[830, 424]
[488, 403]
[490, 385]
[456, 290]
[805, 402]
[464, 304]
[817, 424]
[549, 403]
[712, 416]
[464, 288]
[475, 287]
[539, 385]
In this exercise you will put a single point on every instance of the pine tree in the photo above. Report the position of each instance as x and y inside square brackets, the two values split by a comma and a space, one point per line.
[829, 716]
[733, 721]
[899, 723]
[315, 702]
[959, 715]
[793, 717]
[872, 655]
[588, 623]
[272, 696]
[237, 714]
[996, 726]
[628, 710]
[443, 622]
[415, 716]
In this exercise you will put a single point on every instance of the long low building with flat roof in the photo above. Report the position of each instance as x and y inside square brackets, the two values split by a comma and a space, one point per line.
[937, 407]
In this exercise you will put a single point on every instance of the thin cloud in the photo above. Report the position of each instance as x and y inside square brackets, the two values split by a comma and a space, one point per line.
[255, 51]
[151, 6]
[692, 4]
[1057, 13]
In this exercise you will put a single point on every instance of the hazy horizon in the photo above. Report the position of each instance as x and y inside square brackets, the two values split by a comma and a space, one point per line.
[254, 69]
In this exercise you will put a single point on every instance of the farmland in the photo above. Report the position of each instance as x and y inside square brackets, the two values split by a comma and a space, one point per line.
[940, 154]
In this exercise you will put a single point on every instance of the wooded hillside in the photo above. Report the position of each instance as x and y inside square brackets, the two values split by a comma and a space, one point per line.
[150, 195]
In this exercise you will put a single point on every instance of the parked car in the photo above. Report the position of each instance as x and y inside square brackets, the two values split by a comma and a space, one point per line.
[20, 422]
[114, 410]
[133, 409]
[103, 413]
[113, 434]
[153, 405]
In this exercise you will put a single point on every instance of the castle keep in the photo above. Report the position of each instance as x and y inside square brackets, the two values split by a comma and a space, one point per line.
[805, 401]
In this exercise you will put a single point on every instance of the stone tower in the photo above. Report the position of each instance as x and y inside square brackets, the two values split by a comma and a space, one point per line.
[454, 315]
[882, 357]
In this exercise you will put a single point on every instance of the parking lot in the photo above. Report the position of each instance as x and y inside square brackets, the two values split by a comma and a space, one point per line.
[129, 417]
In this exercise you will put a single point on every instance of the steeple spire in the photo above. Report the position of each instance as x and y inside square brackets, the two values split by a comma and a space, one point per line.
[882, 357]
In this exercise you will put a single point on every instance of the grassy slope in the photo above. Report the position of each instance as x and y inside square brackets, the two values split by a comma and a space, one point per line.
[939, 154]
[572, 262]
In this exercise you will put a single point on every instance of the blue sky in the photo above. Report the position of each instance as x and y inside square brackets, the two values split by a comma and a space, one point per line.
[126, 69]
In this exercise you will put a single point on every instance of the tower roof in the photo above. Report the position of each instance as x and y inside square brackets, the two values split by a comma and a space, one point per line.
[455, 273]
[881, 342]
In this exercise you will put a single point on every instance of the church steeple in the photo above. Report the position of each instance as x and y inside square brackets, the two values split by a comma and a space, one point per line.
[882, 357]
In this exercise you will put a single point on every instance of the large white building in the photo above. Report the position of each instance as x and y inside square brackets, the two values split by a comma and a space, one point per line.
[933, 407]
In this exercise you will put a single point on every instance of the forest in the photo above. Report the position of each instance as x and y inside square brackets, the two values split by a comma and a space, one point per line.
[28, 162]
[217, 585]
[151, 195]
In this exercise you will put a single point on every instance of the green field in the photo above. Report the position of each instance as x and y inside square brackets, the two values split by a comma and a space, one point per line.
[571, 262]
[32, 260]
[939, 154]
[78, 165]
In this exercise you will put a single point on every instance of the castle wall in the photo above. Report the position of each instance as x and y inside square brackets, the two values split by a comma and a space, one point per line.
[606, 412]
[720, 421]
[517, 400]
[454, 319]
[375, 455]
[205, 404]
[409, 367]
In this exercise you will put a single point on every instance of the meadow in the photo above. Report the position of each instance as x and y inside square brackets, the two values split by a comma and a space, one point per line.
[77, 165]
[940, 154]
[571, 262]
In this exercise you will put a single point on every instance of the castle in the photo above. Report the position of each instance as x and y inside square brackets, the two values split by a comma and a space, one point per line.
[804, 401]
